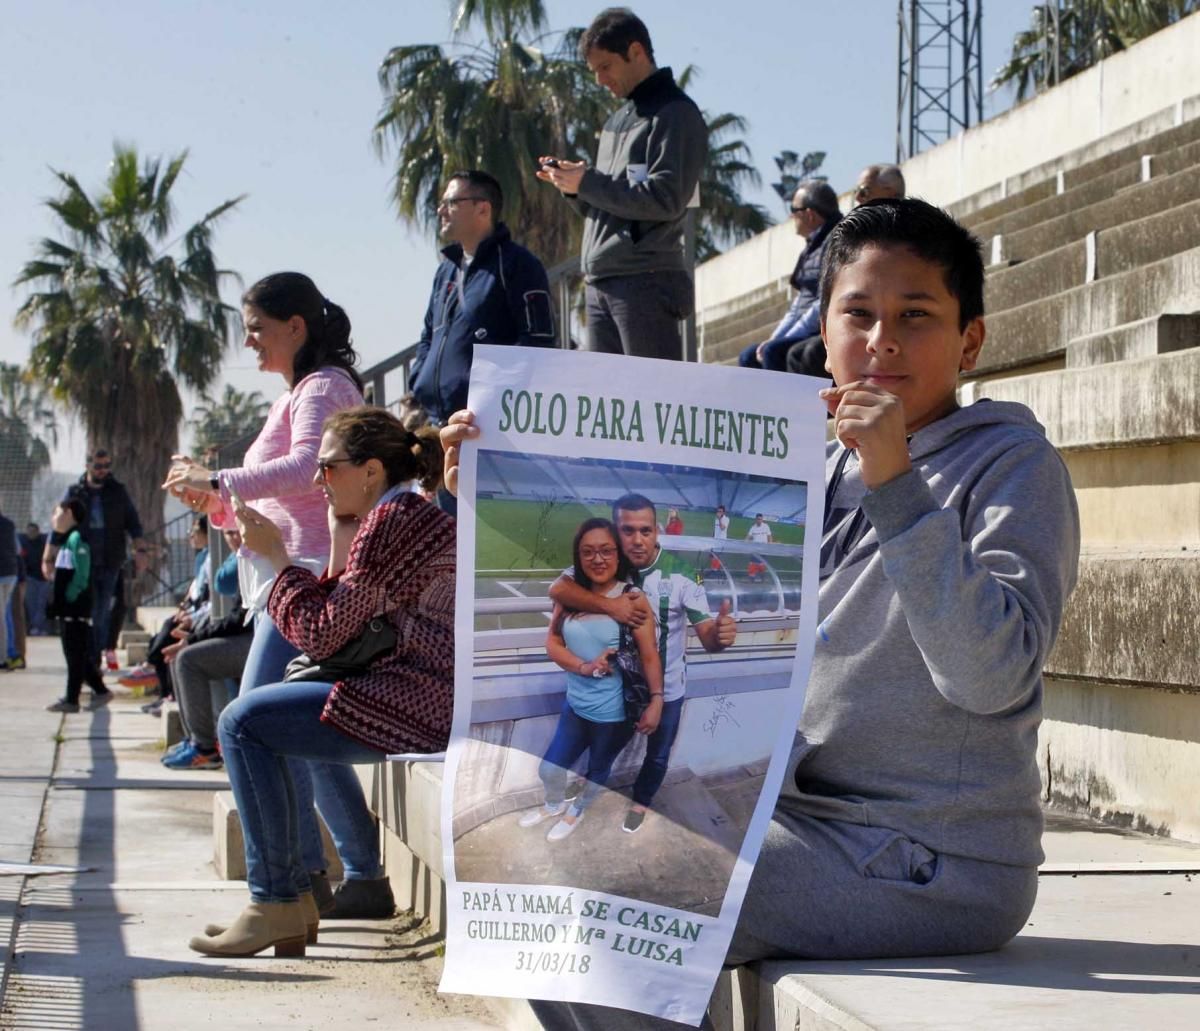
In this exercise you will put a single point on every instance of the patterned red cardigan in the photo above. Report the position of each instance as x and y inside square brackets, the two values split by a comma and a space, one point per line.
[401, 562]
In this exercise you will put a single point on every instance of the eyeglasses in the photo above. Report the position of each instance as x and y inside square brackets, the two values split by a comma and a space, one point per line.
[796, 211]
[324, 465]
[587, 554]
[449, 202]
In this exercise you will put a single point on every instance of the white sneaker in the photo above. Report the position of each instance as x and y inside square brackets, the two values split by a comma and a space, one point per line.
[542, 812]
[563, 829]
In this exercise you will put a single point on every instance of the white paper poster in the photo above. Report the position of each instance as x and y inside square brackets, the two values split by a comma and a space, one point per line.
[717, 473]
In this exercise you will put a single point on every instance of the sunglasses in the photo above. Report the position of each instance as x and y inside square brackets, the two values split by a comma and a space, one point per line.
[797, 211]
[325, 464]
[99, 466]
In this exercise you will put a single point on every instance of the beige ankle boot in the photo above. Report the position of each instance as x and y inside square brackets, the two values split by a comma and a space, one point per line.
[260, 926]
[312, 920]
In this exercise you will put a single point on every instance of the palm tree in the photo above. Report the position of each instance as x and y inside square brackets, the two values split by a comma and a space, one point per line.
[725, 217]
[1067, 36]
[793, 170]
[28, 429]
[119, 308]
[220, 423]
[496, 105]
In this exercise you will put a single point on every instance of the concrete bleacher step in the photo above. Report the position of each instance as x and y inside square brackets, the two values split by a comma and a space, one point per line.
[1137, 201]
[1119, 404]
[1160, 159]
[1078, 168]
[229, 846]
[1035, 332]
[1159, 334]
[1131, 244]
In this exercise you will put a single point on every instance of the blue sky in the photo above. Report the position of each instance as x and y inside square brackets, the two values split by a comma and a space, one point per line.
[276, 100]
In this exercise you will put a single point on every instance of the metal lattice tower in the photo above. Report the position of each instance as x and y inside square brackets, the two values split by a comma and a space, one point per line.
[940, 86]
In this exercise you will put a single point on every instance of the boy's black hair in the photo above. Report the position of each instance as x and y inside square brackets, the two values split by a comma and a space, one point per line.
[926, 230]
[78, 510]
[615, 29]
[632, 503]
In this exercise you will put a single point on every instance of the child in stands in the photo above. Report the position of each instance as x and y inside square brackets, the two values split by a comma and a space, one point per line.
[909, 821]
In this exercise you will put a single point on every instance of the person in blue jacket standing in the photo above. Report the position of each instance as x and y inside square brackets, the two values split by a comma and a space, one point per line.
[488, 290]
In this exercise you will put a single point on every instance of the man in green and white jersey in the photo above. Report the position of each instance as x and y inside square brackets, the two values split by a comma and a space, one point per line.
[674, 598]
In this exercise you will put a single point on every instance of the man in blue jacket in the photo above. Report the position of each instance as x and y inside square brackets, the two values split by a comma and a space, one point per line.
[488, 290]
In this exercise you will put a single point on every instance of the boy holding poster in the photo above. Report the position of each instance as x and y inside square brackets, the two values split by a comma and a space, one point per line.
[909, 822]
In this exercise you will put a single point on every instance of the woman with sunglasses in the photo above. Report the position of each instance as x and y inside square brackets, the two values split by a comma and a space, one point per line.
[593, 715]
[297, 332]
[391, 559]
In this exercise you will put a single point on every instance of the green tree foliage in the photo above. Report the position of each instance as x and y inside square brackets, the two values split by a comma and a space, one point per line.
[232, 418]
[1080, 33]
[120, 308]
[28, 430]
[725, 216]
[495, 105]
[794, 169]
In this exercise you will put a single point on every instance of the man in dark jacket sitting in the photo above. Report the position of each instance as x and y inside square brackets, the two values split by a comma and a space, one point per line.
[489, 290]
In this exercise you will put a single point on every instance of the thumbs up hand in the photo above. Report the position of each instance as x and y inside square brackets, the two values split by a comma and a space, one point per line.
[726, 625]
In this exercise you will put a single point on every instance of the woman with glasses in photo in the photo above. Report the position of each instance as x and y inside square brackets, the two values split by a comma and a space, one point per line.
[593, 718]
[388, 592]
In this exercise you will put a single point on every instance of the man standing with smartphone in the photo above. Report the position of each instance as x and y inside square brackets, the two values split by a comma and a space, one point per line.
[635, 199]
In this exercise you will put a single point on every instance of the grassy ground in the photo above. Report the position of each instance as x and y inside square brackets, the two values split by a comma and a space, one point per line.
[537, 534]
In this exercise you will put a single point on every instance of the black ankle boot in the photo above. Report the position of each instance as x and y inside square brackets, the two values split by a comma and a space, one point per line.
[362, 900]
[321, 892]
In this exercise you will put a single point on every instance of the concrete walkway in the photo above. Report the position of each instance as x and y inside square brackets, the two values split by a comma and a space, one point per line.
[104, 945]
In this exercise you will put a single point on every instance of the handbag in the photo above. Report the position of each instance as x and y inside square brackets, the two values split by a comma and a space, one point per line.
[633, 680]
[352, 659]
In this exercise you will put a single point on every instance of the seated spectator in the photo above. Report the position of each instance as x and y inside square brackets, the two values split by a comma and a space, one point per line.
[815, 212]
[391, 568]
[876, 182]
[191, 612]
[201, 660]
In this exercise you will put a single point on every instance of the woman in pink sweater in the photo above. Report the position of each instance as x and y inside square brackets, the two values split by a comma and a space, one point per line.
[296, 331]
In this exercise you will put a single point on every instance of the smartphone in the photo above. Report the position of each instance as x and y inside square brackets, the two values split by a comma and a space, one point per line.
[550, 163]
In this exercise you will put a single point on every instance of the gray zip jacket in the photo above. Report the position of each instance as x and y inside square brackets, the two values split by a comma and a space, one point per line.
[941, 595]
[635, 197]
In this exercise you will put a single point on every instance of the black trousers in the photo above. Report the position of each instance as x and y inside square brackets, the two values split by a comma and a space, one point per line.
[81, 666]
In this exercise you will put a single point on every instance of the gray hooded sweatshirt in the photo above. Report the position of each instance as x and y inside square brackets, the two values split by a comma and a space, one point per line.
[941, 595]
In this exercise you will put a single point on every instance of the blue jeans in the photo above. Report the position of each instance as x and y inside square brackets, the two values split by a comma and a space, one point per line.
[332, 787]
[572, 737]
[37, 595]
[658, 754]
[775, 354]
[263, 734]
[104, 590]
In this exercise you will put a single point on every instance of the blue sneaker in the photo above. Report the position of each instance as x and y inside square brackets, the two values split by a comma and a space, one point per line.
[175, 749]
[191, 758]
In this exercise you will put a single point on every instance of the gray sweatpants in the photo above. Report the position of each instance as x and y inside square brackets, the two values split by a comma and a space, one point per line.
[639, 315]
[828, 890]
[196, 667]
